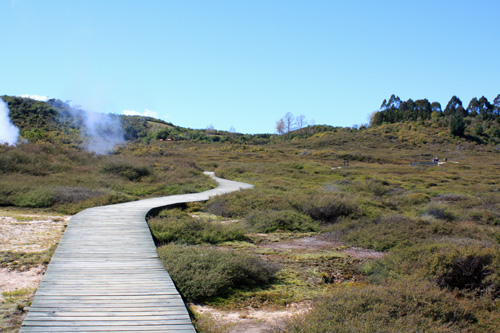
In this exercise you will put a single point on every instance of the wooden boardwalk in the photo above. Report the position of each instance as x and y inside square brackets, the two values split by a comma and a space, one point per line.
[105, 275]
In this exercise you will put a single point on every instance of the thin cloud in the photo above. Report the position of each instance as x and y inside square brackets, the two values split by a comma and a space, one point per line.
[146, 113]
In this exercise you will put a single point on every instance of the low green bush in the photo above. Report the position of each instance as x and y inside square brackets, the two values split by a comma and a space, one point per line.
[465, 266]
[201, 273]
[406, 306]
[37, 198]
[372, 186]
[438, 211]
[241, 203]
[386, 232]
[71, 194]
[470, 267]
[126, 171]
[285, 220]
[324, 206]
[175, 225]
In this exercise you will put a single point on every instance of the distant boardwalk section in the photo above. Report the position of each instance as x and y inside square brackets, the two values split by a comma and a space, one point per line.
[106, 276]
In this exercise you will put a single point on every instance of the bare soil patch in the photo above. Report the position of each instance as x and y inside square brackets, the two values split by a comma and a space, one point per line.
[13, 280]
[318, 242]
[30, 233]
[23, 233]
[250, 320]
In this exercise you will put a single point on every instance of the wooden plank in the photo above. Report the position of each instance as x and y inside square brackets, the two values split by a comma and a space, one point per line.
[137, 328]
[96, 282]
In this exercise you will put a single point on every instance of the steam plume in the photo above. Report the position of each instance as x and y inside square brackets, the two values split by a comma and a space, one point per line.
[9, 134]
[100, 132]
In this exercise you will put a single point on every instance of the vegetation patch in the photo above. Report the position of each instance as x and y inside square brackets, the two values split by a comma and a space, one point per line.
[175, 225]
[127, 171]
[404, 306]
[201, 273]
[324, 206]
[285, 220]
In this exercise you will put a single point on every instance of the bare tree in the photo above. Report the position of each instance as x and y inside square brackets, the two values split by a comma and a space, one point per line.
[210, 129]
[300, 121]
[232, 131]
[288, 121]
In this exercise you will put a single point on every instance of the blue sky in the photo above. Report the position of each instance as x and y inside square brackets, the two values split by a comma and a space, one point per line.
[244, 64]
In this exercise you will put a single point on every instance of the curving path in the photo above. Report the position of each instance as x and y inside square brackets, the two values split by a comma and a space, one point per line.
[105, 275]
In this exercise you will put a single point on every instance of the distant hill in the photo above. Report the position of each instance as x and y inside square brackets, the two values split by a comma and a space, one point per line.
[409, 123]
[58, 122]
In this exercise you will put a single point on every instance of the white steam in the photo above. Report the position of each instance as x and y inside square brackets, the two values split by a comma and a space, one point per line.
[9, 134]
[102, 132]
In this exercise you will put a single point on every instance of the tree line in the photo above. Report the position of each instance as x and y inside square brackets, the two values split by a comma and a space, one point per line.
[395, 110]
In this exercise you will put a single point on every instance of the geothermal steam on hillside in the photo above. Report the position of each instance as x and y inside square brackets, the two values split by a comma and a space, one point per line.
[8, 132]
[100, 132]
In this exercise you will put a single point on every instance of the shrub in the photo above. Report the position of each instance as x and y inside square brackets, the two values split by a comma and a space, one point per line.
[417, 198]
[286, 220]
[37, 198]
[437, 211]
[324, 206]
[387, 232]
[69, 194]
[463, 266]
[371, 186]
[467, 272]
[407, 306]
[241, 203]
[127, 171]
[201, 273]
[174, 225]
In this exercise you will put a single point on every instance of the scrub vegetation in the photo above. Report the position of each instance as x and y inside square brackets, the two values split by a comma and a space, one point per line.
[338, 218]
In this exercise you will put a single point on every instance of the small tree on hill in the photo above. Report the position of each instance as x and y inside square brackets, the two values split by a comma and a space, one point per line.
[457, 125]
[288, 121]
[300, 121]
[280, 127]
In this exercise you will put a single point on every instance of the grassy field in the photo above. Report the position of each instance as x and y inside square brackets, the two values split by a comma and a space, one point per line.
[375, 245]
[435, 228]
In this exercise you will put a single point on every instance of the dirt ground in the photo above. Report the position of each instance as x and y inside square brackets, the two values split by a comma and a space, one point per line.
[251, 320]
[27, 233]
[325, 241]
